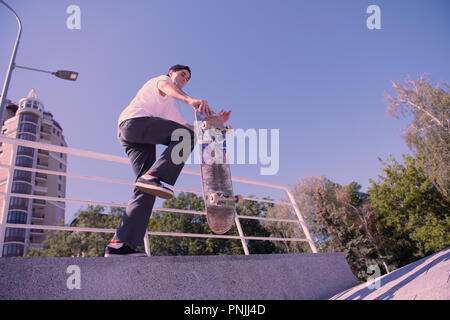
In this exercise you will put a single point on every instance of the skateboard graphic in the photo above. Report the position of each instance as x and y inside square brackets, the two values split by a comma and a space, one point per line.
[220, 203]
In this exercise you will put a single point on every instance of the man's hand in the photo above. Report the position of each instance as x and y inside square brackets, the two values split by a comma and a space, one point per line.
[224, 115]
[201, 105]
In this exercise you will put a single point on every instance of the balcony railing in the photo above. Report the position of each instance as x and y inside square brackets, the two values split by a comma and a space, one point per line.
[37, 218]
[41, 189]
[41, 177]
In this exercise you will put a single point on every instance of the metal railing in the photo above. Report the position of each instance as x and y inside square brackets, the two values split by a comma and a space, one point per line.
[7, 194]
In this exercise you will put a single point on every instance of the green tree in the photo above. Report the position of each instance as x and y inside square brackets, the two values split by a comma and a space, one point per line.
[256, 228]
[366, 220]
[339, 219]
[193, 223]
[82, 244]
[303, 192]
[92, 244]
[340, 224]
[415, 215]
[428, 136]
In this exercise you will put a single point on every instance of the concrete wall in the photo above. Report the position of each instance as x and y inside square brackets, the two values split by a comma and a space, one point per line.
[277, 277]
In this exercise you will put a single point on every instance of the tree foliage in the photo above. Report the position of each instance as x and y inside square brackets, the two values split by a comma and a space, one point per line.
[82, 244]
[197, 224]
[339, 220]
[303, 193]
[92, 244]
[429, 133]
[414, 214]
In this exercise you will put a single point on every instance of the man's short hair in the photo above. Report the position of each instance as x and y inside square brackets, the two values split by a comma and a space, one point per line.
[179, 67]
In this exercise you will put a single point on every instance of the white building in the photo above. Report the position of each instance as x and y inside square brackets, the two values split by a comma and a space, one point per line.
[28, 120]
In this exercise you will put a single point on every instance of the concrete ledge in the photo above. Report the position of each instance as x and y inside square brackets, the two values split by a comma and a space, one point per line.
[254, 277]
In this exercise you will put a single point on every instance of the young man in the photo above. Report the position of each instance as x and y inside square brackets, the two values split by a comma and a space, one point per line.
[150, 119]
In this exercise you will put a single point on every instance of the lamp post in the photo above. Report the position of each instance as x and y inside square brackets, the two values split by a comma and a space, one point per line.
[63, 74]
[11, 62]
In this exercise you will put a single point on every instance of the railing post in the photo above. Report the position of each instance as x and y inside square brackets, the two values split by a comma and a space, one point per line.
[302, 221]
[241, 235]
[147, 244]
[9, 181]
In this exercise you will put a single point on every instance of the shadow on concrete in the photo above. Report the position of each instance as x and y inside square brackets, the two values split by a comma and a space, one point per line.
[390, 278]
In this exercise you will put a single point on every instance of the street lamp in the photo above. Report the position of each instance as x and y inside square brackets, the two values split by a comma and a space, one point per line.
[63, 74]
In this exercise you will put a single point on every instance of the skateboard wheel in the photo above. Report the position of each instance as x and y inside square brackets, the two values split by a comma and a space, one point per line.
[239, 199]
[205, 125]
[213, 198]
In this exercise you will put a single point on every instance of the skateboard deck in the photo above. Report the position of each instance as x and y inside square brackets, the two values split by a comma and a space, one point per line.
[220, 204]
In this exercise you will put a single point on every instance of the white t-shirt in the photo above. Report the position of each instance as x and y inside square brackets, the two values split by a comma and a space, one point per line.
[150, 103]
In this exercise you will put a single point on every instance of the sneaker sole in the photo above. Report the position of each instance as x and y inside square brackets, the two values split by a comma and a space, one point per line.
[112, 255]
[153, 190]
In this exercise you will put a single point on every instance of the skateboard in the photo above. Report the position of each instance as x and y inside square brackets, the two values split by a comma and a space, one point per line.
[220, 203]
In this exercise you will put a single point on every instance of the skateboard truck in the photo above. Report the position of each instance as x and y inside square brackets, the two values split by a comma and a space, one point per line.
[215, 198]
[206, 126]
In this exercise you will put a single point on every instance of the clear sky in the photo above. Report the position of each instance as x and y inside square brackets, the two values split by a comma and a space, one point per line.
[311, 69]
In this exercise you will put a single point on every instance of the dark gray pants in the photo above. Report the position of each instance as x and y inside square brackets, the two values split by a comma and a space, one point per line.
[139, 137]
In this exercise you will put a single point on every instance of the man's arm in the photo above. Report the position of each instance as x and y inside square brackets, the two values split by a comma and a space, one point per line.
[172, 90]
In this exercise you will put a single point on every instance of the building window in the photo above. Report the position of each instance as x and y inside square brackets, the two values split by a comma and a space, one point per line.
[12, 250]
[29, 117]
[21, 150]
[18, 203]
[17, 217]
[23, 161]
[26, 136]
[28, 127]
[13, 234]
[20, 175]
[21, 187]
